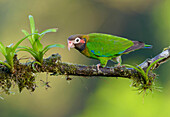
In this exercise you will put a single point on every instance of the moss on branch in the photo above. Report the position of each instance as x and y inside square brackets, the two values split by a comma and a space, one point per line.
[24, 73]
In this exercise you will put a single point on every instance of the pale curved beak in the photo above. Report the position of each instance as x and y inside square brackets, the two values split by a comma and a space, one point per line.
[70, 45]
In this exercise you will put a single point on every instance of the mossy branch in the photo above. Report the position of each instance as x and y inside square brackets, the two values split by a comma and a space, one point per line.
[24, 76]
[54, 65]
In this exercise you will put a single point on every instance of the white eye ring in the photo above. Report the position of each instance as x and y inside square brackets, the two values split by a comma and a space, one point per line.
[77, 40]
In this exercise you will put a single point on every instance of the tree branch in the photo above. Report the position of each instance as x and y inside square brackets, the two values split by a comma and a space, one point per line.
[24, 72]
[83, 70]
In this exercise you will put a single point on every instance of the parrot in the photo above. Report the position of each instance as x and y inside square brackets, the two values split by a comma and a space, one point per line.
[104, 47]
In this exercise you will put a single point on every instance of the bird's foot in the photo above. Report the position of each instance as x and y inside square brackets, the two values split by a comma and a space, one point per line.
[118, 65]
[98, 68]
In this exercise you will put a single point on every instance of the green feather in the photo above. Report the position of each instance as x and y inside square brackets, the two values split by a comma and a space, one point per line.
[104, 45]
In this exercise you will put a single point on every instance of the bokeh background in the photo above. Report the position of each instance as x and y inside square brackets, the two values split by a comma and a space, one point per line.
[142, 20]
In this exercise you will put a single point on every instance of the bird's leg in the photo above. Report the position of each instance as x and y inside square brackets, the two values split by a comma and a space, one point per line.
[98, 67]
[103, 62]
[119, 61]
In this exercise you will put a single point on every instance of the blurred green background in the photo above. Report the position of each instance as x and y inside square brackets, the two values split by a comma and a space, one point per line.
[142, 20]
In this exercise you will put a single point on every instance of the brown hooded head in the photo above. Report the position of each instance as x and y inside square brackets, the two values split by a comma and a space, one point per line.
[77, 41]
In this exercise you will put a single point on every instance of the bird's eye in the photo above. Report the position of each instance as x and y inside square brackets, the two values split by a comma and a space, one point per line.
[77, 40]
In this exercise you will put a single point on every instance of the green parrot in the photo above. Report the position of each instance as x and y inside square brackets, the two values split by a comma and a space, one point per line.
[104, 47]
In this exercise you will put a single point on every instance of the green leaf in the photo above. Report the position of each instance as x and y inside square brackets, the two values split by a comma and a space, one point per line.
[28, 49]
[147, 70]
[137, 69]
[37, 55]
[47, 31]
[25, 47]
[52, 46]
[2, 49]
[36, 36]
[15, 47]
[9, 59]
[33, 53]
[26, 33]
[6, 64]
[144, 74]
[39, 45]
[8, 50]
[9, 55]
[34, 65]
[41, 54]
[41, 37]
[32, 25]
[10, 45]
[34, 46]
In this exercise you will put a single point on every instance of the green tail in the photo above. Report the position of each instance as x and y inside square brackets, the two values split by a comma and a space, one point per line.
[148, 46]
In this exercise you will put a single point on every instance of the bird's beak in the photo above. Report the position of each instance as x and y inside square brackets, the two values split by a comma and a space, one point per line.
[70, 45]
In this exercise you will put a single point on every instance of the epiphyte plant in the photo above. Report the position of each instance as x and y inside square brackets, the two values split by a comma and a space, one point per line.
[148, 81]
[37, 50]
[9, 52]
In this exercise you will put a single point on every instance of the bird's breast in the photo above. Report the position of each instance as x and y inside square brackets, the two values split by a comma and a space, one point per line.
[86, 52]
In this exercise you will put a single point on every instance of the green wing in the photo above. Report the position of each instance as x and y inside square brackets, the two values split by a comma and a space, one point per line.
[104, 45]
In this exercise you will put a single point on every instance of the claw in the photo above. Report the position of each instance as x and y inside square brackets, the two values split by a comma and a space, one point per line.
[98, 67]
[118, 65]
